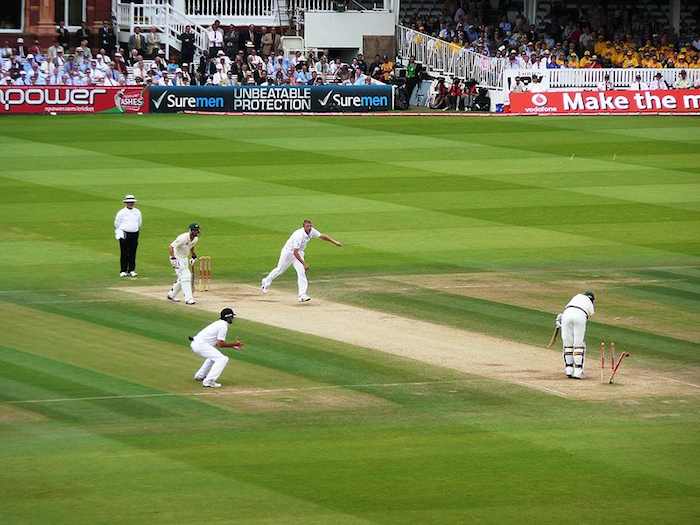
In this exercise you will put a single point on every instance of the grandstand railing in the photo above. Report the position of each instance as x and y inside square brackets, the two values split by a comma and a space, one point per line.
[169, 21]
[441, 57]
[592, 78]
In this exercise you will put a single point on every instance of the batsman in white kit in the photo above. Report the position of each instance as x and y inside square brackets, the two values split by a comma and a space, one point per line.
[293, 254]
[207, 343]
[573, 332]
[182, 256]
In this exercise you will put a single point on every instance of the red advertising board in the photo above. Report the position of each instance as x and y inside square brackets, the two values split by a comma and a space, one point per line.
[604, 102]
[73, 99]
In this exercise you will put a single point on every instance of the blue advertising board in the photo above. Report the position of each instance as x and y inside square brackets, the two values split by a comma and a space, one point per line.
[272, 99]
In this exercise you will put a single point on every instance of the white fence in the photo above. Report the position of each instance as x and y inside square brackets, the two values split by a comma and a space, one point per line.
[439, 56]
[590, 78]
[229, 8]
[169, 21]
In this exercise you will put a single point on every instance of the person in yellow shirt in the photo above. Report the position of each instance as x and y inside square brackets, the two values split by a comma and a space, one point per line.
[630, 60]
[585, 60]
[695, 64]
[617, 56]
[682, 62]
[573, 61]
[648, 61]
[600, 46]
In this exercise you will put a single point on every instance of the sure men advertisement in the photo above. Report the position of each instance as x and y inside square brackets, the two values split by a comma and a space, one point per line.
[73, 99]
[603, 102]
[272, 99]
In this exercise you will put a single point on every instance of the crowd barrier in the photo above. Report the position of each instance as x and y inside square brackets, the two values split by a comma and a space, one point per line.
[73, 99]
[685, 101]
[174, 99]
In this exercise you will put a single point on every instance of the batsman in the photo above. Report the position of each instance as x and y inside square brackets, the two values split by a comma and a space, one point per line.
[573, 332]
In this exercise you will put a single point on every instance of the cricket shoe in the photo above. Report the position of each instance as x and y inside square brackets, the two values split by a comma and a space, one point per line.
[191, 302]
[264, 287]
[133, 274]
[211, 384]
[304, 298]
[173, 299]
[123, 274]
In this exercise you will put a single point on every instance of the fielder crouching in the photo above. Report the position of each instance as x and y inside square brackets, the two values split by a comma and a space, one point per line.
[207, 344]
[573, 331]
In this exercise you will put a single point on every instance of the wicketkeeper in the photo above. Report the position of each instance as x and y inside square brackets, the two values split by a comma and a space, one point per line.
[573, 331]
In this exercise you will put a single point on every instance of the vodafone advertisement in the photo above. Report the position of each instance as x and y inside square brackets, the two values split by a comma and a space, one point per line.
[73, 99]
[599, 102]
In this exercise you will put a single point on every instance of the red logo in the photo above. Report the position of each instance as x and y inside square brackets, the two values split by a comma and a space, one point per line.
[539, 100]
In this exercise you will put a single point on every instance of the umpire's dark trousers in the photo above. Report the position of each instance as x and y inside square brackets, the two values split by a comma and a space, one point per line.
[127, 247]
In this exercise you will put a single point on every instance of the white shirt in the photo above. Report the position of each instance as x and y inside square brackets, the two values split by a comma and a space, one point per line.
[182, 245]
[128, 220]
[216, 38]
[658, 84]
[298, 240]
[639, 86]
[212, 333]
[583, 302]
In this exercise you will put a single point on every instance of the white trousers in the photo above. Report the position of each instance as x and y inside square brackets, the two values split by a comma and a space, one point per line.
[573, 333]
[286, 260]
[184, 279]
[214, 361]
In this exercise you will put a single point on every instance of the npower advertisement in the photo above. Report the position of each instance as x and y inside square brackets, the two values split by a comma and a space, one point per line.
[73, 99]
[272, 99]
[603, 102]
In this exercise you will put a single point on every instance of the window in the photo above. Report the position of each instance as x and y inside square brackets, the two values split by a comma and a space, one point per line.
[11, 15]
[72, 12]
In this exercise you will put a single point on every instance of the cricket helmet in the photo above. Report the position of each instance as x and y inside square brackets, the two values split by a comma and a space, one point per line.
[590, 295]
[227, 314]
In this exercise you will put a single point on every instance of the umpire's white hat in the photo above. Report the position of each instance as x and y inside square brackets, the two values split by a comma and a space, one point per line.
[129, 198]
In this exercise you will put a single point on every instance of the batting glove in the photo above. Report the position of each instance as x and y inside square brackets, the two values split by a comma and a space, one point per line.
[173, 263]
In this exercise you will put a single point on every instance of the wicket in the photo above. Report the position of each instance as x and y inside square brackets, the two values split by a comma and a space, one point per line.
[615, 361]
[203, 273]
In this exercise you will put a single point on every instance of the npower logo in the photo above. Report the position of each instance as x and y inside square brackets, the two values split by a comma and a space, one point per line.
[48, 97]
[170, 100]
[353, 101]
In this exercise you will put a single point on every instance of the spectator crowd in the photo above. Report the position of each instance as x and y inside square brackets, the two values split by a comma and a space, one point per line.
[592, 38]
[232, 57]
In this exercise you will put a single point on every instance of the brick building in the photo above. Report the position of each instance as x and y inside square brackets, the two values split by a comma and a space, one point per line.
[39, 18]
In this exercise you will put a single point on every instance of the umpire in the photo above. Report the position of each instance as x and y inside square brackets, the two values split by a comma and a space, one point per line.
[127, 224]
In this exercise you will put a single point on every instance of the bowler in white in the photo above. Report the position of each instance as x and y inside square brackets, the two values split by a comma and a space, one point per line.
[292, 254]
[182, 256]
[207, 343]
[573, 332]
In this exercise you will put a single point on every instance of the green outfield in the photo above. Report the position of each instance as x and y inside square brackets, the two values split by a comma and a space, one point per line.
[484, 224]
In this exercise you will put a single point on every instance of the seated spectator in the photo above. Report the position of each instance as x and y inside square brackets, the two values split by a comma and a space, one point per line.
[682, 81]
[658, 82]
[455, 95]
[440, 100]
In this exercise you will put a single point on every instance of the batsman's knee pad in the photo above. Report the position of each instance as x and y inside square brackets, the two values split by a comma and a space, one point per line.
[569, 360]
[579, 355]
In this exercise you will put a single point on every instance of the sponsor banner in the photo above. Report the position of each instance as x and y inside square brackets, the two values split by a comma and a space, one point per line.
[174, 99]
[592, 102]
[73, 99]
[272, 99]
